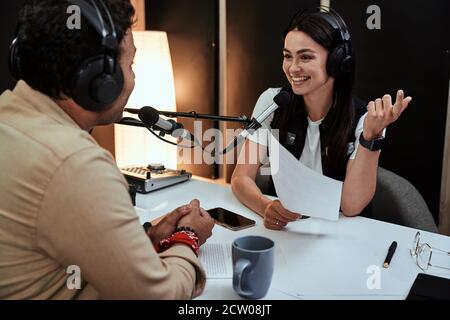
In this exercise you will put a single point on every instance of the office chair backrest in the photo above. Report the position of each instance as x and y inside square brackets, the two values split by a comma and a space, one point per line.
[398, 201]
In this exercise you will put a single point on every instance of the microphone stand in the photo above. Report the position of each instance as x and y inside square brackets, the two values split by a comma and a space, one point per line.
[242, 119]
[248, 123]
[132, 123]
[193, 115]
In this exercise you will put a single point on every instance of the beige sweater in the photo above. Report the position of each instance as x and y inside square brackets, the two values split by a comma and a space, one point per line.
[63, 202]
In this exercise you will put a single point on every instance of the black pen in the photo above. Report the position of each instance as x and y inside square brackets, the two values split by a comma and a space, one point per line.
[391, 251]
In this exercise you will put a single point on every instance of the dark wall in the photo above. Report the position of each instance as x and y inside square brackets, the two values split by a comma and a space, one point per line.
[9, 10]
[192, 28]
[410, 52]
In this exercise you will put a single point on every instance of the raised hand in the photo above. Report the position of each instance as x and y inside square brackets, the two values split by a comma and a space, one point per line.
[382, 113]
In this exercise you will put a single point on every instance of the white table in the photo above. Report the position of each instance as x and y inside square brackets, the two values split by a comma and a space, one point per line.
[315, 259]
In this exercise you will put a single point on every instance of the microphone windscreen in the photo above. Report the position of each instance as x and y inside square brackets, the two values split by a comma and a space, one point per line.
[149, 116]
[282, 99]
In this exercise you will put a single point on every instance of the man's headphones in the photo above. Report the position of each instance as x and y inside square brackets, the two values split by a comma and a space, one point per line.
[340, 60]
[98, 81]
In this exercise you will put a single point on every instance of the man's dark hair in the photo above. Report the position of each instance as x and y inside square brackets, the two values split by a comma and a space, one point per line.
[50, 53]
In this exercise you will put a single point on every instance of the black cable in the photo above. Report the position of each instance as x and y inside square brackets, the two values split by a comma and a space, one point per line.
[172, 143]
[137, 123]
[162, 139]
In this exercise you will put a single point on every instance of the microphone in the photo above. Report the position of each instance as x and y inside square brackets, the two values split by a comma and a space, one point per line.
[281, 99]
[150, 117]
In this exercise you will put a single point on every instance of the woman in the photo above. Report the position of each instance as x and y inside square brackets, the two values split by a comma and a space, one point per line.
[323, 125]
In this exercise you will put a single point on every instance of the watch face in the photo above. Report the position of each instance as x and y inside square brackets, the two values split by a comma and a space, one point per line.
[378, 144]
[372, 145]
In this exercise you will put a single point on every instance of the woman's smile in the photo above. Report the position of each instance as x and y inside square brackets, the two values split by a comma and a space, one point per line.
[299, 80]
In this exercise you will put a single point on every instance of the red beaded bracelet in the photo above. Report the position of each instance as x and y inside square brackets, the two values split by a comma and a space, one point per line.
[187, 237]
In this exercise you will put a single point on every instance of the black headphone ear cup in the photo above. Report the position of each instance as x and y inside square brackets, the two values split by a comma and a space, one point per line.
[104, 88]
[339, 62]
[334, 62]
[14, 60]
[348, 64]
[93, 88]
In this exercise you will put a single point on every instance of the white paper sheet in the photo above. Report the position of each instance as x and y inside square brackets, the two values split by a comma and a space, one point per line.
[216, 260]
[301, 189]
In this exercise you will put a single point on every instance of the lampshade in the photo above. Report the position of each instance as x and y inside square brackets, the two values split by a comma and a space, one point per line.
[154, 87]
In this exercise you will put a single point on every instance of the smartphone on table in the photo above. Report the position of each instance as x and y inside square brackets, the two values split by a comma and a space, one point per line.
[230, 220]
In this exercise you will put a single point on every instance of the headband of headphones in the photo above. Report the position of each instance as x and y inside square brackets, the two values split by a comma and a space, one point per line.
[98, 80]
[92, 13]
[94, 17]
[337, 23]
[332, 18]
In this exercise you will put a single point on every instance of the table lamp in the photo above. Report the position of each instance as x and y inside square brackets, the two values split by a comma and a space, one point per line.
[154, 87]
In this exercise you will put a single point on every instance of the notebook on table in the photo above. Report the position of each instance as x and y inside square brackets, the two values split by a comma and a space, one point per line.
[427, 287]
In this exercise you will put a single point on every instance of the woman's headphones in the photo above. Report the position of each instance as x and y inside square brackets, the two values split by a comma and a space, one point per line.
[98, 81]
[340, 60]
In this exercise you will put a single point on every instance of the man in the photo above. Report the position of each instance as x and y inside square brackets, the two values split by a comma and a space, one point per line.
[64, 205]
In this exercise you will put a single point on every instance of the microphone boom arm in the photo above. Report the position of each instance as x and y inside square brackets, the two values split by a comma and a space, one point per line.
[194, 115]
[132, 122]
[242, 119]
[251, 125]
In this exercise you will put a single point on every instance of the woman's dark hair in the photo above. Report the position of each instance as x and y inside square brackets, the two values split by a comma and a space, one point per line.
[338, 123]
[50, 52]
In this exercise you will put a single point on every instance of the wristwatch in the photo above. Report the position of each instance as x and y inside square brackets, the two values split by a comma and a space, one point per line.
[372, 145]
